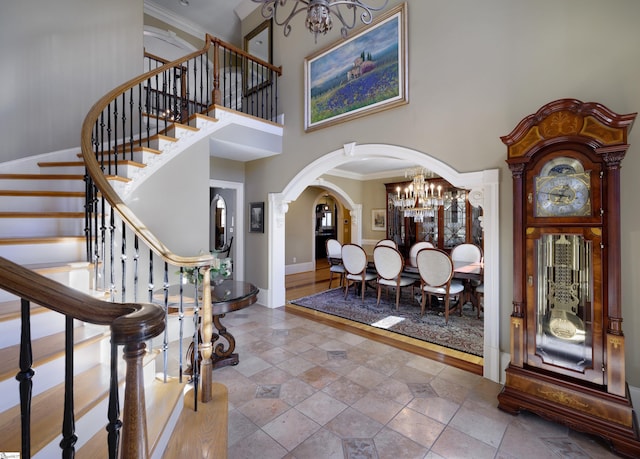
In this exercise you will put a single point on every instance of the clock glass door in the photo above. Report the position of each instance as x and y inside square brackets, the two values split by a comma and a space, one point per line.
[564, 306]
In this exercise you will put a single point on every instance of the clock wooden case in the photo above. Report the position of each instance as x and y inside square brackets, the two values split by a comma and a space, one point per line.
[567, 344]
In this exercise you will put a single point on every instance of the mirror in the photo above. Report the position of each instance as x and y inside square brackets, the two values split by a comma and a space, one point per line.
[219, 229]
[258, 43]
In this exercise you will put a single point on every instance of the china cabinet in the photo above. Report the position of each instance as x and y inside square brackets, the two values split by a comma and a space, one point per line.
[450, 222]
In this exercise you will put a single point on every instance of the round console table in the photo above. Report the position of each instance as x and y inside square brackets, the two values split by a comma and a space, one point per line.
[228, 296]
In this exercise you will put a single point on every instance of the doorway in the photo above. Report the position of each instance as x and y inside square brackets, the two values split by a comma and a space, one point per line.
[222, 229]
[484, 192]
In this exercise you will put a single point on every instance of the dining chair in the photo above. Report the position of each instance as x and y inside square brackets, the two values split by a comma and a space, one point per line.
[354, 260]
[436, 274]
[389, 265]
[469, 253]
[480, 295]
[334, 257]
[418, 246]
[387, 243]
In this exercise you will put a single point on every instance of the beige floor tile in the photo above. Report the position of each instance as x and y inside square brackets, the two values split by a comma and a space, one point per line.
[291, 428]
[258, 444]
[318, 377]
[455, 444]
[321, 407]
[380, 408]
[346, 391]
[321, 445]
[417, 427]
[390, 444]
[476, 425]
[352, 424]
[438, 408]
[371, 398]
[263, 410]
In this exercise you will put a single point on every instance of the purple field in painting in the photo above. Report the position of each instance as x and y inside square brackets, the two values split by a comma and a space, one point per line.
[373, 87]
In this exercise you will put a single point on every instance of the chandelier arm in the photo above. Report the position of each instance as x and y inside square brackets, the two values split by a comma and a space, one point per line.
[270, 7]
[366, 16]
[270, 11]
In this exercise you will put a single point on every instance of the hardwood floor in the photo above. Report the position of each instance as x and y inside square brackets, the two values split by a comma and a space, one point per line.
[308, 283]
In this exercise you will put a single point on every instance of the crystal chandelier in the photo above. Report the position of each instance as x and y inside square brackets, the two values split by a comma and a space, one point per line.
[421, 199]
[319, 13]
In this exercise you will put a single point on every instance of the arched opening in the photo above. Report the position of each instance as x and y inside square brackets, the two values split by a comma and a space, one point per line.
[484, 192]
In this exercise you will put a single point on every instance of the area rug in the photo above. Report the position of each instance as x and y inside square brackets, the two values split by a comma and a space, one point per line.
[465, 334]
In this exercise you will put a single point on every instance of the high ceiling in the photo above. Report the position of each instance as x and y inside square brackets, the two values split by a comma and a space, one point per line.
[222, 19]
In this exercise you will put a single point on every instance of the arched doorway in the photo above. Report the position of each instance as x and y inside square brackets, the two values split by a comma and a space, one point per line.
[484, 192]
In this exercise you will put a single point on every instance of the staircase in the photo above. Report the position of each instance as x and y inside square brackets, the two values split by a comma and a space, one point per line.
[41, 227]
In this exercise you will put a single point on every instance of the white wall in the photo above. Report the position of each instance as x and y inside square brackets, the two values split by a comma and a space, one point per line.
[59, 58]
[475, 70]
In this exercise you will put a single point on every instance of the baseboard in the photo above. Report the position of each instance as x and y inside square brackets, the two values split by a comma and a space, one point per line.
[298, 268]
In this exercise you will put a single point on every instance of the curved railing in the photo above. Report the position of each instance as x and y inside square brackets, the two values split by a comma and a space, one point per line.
[131, 326]
[117, 130]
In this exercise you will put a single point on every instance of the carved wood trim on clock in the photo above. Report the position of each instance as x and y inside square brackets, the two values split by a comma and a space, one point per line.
[567, 343]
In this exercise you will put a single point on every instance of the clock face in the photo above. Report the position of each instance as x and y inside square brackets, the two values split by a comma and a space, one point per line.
[563, 190]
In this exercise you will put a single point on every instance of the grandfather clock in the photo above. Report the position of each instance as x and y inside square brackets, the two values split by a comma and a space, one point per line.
[567, 345]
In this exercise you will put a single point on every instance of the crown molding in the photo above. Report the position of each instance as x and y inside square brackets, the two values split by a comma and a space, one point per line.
[164, 15]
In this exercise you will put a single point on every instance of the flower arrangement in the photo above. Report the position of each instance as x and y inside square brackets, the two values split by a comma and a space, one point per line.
[220, 269]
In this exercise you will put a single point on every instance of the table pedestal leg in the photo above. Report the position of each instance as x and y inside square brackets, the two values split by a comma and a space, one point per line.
[220, 356]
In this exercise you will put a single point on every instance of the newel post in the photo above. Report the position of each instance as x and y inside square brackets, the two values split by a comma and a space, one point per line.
[206, 348]
[134, 418]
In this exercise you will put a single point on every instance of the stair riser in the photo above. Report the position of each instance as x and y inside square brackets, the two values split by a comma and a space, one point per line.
[54, 252]
[42, 185]
[142, 156]
[41, 227]
[161, 143]
[51, 373]
[123, 170]
[41, 204]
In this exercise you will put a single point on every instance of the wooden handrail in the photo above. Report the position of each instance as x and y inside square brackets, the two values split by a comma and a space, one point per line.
[131, 325]
[131, 322]
[101, 182]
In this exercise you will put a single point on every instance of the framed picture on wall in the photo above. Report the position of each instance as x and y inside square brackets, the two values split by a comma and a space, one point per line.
[379, 220]
[256, 217]
[363, 74]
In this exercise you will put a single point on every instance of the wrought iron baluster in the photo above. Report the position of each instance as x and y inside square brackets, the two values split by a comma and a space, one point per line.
[181, 324]
[136, 258]
[165, 339]
[69, 437]
[195, 368]
[115, 424]
[25, 376]
[123, 260]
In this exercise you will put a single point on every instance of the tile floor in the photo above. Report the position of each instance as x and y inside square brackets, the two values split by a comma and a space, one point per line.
[309, 391]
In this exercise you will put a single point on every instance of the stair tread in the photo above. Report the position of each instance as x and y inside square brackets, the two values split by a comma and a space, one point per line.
[43, 194]
[42, 176]
[136, 149]
[161, 400]
[81, 163]
[47, 410]
[39, 240]
[45, 349]
[42, 214]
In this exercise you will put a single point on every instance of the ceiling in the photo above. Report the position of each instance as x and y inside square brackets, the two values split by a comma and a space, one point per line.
[222, 19]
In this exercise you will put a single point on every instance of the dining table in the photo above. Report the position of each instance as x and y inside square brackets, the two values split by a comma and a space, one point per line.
[468, 272]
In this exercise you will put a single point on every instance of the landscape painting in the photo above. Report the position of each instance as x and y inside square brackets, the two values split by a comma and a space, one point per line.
[361, 75]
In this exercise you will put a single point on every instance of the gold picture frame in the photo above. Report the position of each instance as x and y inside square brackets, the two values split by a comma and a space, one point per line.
[379, 220]
[361, 75]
